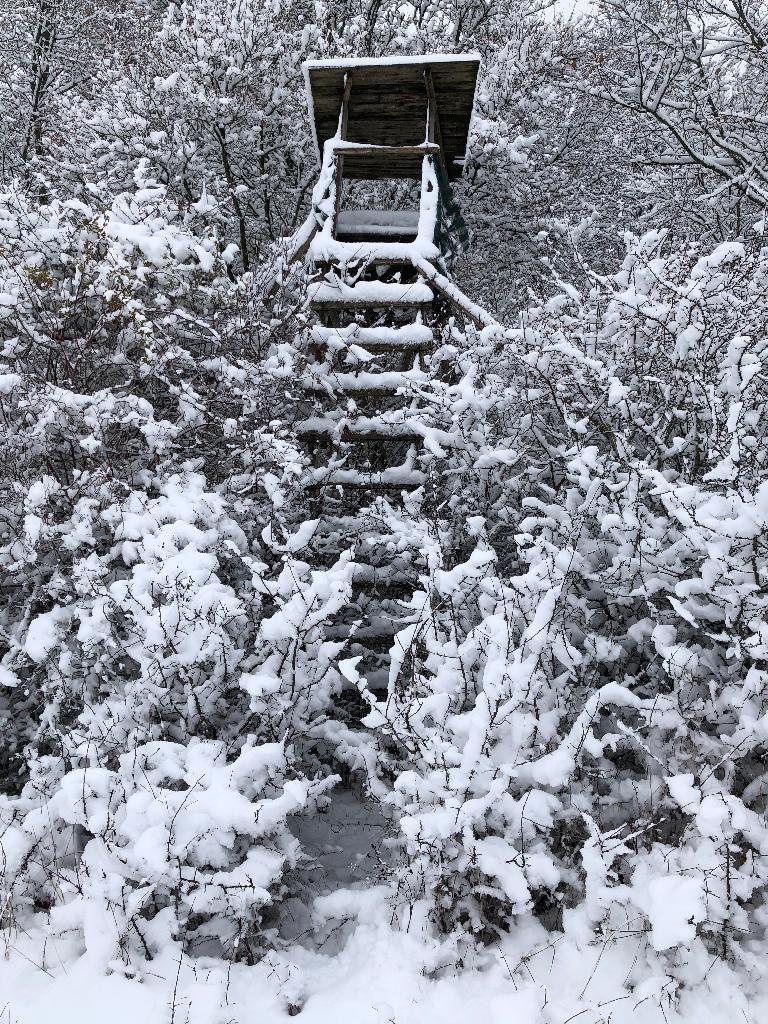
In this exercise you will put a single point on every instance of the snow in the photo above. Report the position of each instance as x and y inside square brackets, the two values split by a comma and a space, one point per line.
[408, 334]
[9, 382]
[347, 146]
[381, 425]
[674, 905]
[325, 248]
[385, 380]
[390, 424]
[684, 792]
[394, 60]
[568, 8]
[43, 634]
[404, 476]
[41, 492]
[379, 974]
[369, 293]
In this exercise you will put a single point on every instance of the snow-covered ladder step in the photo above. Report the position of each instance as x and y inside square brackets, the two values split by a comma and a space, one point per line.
[407, 338]
[385, 590]
[395, 479]
[388, 575]
[375, 638]
[364, 430]
[377, 223]
[374, 254]
[370, 294]
[387, 380]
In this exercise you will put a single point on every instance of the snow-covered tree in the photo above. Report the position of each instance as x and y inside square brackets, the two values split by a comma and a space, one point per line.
[694, 78]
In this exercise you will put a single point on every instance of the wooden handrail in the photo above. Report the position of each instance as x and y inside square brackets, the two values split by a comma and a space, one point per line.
[479, 316]
[434, 132]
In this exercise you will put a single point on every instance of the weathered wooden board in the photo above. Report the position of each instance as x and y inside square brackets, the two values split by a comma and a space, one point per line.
[388, 107]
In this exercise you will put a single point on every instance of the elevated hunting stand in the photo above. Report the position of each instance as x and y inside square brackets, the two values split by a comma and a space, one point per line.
[380, 296]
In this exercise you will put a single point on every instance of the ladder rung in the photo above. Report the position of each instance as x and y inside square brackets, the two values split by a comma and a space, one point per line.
[371, 294]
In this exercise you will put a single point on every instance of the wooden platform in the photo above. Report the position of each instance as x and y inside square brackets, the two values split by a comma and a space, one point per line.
[388, 105]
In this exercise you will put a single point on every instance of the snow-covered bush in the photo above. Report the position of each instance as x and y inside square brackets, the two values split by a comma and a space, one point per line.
[114, 392]
[574, 726]
[179, 677]
[182, 841]
[148, 617]
[152, 629]
[213, 109]
[472, 711]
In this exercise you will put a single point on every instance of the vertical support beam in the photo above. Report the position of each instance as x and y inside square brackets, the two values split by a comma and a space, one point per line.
[342, 135]
[434, 134]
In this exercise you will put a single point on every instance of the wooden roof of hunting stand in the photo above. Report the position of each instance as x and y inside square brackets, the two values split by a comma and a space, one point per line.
[385, 102]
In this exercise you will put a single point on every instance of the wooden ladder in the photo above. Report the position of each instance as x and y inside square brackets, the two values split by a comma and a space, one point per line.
[379, 294]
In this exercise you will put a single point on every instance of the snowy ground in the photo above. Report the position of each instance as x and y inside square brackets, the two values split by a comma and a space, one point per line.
[379, 976]
[371, 969]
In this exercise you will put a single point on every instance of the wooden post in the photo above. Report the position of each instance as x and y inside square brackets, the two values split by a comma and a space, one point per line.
[342, 133]
[434, 135]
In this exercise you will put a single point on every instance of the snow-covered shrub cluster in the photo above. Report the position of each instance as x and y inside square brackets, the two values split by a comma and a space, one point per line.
[182, 841]
[576, 727]
[163, 656]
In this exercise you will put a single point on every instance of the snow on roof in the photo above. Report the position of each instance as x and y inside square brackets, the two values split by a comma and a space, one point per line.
[364, 62]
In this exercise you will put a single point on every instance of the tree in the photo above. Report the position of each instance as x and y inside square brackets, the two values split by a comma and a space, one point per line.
[694, 76]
